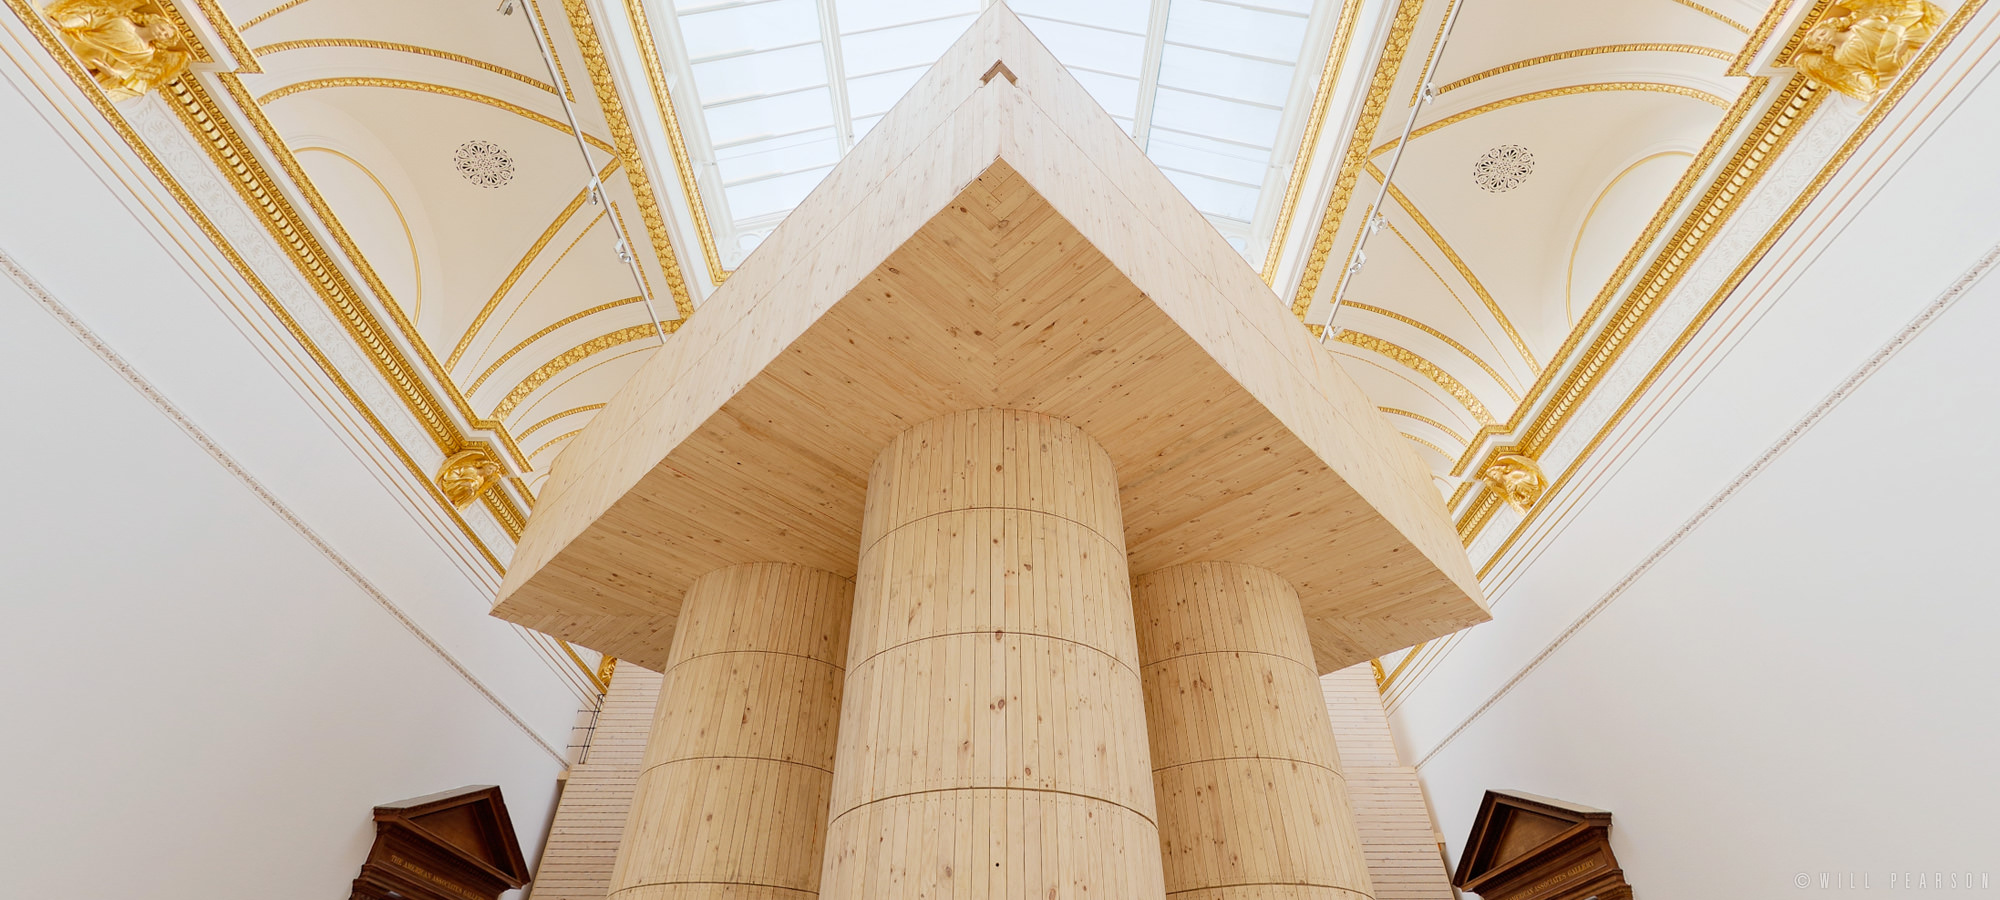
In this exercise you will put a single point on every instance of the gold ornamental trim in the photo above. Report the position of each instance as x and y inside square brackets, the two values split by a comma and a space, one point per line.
[1651, 87]
[1427, 420]
[587, 42]
[1417, 363]
[567, 412]
[642, 28]
[571, 357]
[1580, 52]
[545, 332]
[521, 268]
[553, 441]
[288, 162]
[1336, 56]
[45, 35]
[392, 46]
[1440, 450]
[1441, 336]
[232, 37]
[1690, 4]
[1464, 271]
[425, 87]
[1372, 107]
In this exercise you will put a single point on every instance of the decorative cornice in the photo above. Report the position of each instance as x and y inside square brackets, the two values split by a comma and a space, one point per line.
[642, 29]
[1372, 106]
[1336, 56]
[587, 42]
[232, 39]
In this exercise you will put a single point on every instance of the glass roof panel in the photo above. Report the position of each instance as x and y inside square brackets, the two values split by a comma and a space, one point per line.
[900, 46]
[1211, 111]
[736, 29]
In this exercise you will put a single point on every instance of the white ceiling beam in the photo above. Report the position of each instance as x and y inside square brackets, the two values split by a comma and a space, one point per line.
[1149, 72]
[836, 76]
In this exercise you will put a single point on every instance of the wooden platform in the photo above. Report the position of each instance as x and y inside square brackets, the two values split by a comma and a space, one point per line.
[996, 241]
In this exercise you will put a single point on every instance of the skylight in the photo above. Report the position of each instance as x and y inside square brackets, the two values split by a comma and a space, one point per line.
[786, 87]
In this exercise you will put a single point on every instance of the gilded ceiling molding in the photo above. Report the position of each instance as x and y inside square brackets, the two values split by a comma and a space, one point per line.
[542, 23]
[425, 87]
[1779, 123]
[1336, 55]
[545, 332]
[267, 14]
[1417, 92]
[554, 441]
[1695, 49]
[1426, 420]
[588, 407]
[416, 264]
[204, 119]
[448, 56]
[1421, 366]
[303, 183]
[1572, 90]
[1372, 106]
[1876, 113]
[521, 268]
[1384, 682]
[1858, 46]
[1461, 348]
[1569, 276]
[46, 35]
[1440, 450]
[571, 357]
[232, 38]
[1455, 298]
[129, 47]
[642, 27]
[1690, 4]
[1768, 25]
[585, 32]
[1464, 271]
[522, 302]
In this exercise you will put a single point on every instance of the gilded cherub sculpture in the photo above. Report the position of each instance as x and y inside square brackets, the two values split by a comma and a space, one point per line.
[128, 46]
[1517, 479]
[467, 474]
[1859, 45]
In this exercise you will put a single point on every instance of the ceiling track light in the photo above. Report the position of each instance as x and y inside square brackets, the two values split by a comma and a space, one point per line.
[1375, 220]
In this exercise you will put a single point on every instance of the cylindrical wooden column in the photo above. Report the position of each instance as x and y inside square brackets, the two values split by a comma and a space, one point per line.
[993, 741]
[731, 803]
[1252, 802]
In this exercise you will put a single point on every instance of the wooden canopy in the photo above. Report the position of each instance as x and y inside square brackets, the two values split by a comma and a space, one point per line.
[452, 845]
[996, 241]
[1525, 847]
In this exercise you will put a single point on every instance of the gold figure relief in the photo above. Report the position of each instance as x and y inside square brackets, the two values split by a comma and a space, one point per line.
[129, 47]
[467, 474]
[1517, 479]
[1859, 46]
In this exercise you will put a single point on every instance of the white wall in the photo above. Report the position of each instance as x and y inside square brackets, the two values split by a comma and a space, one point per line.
[201, 697]
[1806, 681]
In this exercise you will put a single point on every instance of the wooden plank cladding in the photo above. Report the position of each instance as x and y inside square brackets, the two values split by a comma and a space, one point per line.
[997, 244]
[993, 742]
[1253, 805]
[992, 366]
[732, 798]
